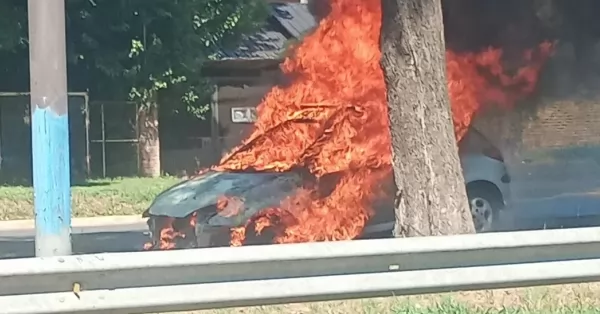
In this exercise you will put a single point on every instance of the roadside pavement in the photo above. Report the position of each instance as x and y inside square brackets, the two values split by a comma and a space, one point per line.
[90, 235]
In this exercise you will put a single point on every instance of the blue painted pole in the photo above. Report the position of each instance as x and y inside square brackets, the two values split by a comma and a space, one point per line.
[49, 127]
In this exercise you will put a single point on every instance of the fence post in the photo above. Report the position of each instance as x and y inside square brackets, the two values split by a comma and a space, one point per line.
[50, 127]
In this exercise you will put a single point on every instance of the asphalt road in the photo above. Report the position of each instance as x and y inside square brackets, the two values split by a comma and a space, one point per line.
[108, 239]
[561, 211]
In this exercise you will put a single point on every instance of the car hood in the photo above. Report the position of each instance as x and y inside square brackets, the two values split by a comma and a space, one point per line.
[256, 190]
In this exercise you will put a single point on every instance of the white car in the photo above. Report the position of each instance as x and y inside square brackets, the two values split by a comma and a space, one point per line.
[192, 204]
[487, 180]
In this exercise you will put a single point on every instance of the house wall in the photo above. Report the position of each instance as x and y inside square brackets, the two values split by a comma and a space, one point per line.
[241, 92]
[552, 124]
[564, 124]
[237, 96]
[232, 91]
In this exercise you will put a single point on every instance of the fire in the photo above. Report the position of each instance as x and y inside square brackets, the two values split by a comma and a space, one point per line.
[332, 120]
[229, 206]
[170, 230]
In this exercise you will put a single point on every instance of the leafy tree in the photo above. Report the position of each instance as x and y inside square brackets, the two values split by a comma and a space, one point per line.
[13, 46]
[138, 48]
[13, 23]
[134, 49]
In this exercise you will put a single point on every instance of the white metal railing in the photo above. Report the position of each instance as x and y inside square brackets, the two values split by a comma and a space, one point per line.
[195, 279]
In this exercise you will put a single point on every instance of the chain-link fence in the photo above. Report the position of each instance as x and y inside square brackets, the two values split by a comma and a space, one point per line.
[114, 138]
[104, 139]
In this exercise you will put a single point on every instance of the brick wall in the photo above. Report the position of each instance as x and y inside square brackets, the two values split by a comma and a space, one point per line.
[552, 124]
[564, 124]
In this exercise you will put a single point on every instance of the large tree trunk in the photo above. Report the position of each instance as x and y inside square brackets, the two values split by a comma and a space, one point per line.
[431, 197]
[149, 140]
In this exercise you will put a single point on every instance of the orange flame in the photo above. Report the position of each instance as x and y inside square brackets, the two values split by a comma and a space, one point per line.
[333, 120]
[229, 206]
[169, 230]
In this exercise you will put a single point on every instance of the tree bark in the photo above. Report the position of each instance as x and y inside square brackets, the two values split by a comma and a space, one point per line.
[431, 197]
[149, 140]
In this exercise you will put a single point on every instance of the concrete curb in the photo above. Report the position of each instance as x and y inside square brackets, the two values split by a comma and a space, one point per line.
[78, 223]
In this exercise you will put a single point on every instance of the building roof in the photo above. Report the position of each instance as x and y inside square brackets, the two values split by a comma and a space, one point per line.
[294, 17]
[288, 21]
[266, 44]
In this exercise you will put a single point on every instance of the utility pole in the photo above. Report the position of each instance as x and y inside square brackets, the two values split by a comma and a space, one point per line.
[49, 127]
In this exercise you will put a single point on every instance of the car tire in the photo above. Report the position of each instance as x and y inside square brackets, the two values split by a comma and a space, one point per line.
[485, 202]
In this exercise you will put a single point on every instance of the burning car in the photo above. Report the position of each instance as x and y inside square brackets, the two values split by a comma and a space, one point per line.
[317, 164]
[194, 213]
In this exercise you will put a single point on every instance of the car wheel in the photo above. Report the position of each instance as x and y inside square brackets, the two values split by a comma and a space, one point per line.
[485, 203]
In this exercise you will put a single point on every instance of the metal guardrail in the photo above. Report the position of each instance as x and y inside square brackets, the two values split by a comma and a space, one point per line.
[182, 280]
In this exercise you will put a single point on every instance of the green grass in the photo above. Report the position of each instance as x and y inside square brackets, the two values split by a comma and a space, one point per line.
[124, 196]
[565, 299]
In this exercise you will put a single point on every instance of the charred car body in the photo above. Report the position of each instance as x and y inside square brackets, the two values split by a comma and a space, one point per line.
[187, 215]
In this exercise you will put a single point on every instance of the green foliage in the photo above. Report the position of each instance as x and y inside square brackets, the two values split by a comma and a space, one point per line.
[13, 26]
[137, 48]
[140, 47]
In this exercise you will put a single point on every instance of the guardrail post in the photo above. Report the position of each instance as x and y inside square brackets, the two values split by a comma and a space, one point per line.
[50, 127]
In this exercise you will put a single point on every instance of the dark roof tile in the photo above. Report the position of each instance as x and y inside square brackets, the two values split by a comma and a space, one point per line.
[266, 44]
[269, 42]
[294, 17]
